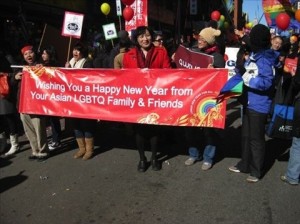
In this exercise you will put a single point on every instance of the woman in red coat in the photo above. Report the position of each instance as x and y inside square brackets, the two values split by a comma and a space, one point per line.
[146, 55]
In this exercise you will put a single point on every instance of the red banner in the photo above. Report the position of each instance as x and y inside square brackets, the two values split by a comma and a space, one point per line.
[185, 58]
[140, 18]
[178, 97]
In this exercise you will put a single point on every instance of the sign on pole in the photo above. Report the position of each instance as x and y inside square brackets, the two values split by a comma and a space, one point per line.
[72, 25]
[110, 31]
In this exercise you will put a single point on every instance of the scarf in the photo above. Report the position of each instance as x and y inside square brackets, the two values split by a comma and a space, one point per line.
[141, 60]
[78, 64]
[212, 49]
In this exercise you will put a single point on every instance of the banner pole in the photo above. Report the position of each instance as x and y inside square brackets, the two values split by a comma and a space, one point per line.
[42, 38]
[69, 48]
[120, 23]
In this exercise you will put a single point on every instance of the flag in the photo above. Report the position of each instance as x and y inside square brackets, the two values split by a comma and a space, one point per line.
[233, 87]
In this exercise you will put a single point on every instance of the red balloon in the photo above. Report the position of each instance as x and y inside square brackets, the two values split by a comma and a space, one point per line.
[283, 21]
[215, 15]
[128, 13]
[128, 2]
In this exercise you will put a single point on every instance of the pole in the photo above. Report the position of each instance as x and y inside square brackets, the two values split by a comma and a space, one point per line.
[44, 30]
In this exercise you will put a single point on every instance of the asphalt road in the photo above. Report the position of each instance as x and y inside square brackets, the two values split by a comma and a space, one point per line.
[108, 189]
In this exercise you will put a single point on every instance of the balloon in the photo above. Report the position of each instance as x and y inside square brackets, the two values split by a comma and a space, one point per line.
[215, 15]
[105, 8]
[226, 25]
[128, 13]
[220, 24]
[283, 21]
[222, 18]
[128, 2]
[297, 15]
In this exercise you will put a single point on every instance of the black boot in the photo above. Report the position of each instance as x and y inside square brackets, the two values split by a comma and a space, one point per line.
[142, 166]
[156, 166]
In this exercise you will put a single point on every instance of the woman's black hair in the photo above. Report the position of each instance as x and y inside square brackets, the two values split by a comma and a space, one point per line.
[140, 31]
[50, 50]
[82, 48]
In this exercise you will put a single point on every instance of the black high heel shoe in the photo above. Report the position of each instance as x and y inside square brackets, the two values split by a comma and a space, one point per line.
[142, 166]
[156, 166]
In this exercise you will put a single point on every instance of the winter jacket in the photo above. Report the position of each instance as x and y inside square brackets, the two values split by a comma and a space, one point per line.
[260, 84]
[160, 58]
[296, 88]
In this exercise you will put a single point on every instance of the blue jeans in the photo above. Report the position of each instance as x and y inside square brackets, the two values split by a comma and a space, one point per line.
[208, 154]
[293, 169]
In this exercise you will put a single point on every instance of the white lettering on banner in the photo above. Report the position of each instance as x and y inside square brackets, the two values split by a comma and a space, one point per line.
[39, 96]
[156, 91]
[186, 64]
[75, 88]
[107, 90]
[165, 104]
[60, 97]
[181, 92]
[51, 85]
[91, 99]
[121, 102]
[132, 90]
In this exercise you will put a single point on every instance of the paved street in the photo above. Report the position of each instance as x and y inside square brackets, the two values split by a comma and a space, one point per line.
[108, 189]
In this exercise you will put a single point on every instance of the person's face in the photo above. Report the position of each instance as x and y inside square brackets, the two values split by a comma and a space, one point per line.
[158, 42]
[29, 57]
[276, 44]
[144, 40]
[77, 55]
[202, 43]
[45, 56]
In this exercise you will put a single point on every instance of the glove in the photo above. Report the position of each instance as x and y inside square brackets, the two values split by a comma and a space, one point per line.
[248, 76]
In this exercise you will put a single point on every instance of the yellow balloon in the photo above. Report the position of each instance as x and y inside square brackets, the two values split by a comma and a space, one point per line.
[105, 8]
[222, 18]
[226, 25]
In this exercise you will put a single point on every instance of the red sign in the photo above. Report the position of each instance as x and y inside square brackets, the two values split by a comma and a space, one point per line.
[178, 97]
[185, 58]
[290, 65]
[140, 17]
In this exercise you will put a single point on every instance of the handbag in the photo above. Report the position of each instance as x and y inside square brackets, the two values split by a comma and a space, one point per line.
[281, 125]
[4, 86]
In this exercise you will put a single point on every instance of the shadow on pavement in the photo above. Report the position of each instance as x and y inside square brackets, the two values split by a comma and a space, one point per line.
[12, 181]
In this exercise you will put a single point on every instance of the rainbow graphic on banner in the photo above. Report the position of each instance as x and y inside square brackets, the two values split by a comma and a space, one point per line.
[204, 111]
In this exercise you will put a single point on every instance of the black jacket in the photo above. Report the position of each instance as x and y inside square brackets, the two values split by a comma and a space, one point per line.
[296, 90]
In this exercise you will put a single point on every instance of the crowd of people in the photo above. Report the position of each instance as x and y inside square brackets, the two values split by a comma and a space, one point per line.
[258, 49]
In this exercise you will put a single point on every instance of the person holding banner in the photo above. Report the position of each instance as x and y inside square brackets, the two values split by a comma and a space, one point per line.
[49, 58]
[206, 44]
[146, 55]
[34, 125]
[84, 129]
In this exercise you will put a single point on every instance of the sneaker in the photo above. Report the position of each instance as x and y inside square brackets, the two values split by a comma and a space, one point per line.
[54, 145]
[190, 161]
[234, 169]
[42, 157]
[206, 166]
[284, 179]
[252, 179]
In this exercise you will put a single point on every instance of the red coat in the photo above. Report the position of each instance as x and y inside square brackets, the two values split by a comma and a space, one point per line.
[160, 58]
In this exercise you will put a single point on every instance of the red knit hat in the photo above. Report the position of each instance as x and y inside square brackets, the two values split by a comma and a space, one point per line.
[26, 48]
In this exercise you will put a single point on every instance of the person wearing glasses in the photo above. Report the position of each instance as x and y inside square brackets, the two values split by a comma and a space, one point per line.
[158, 40]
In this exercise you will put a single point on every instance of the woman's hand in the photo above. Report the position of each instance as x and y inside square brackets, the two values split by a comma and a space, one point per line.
[18, 76]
